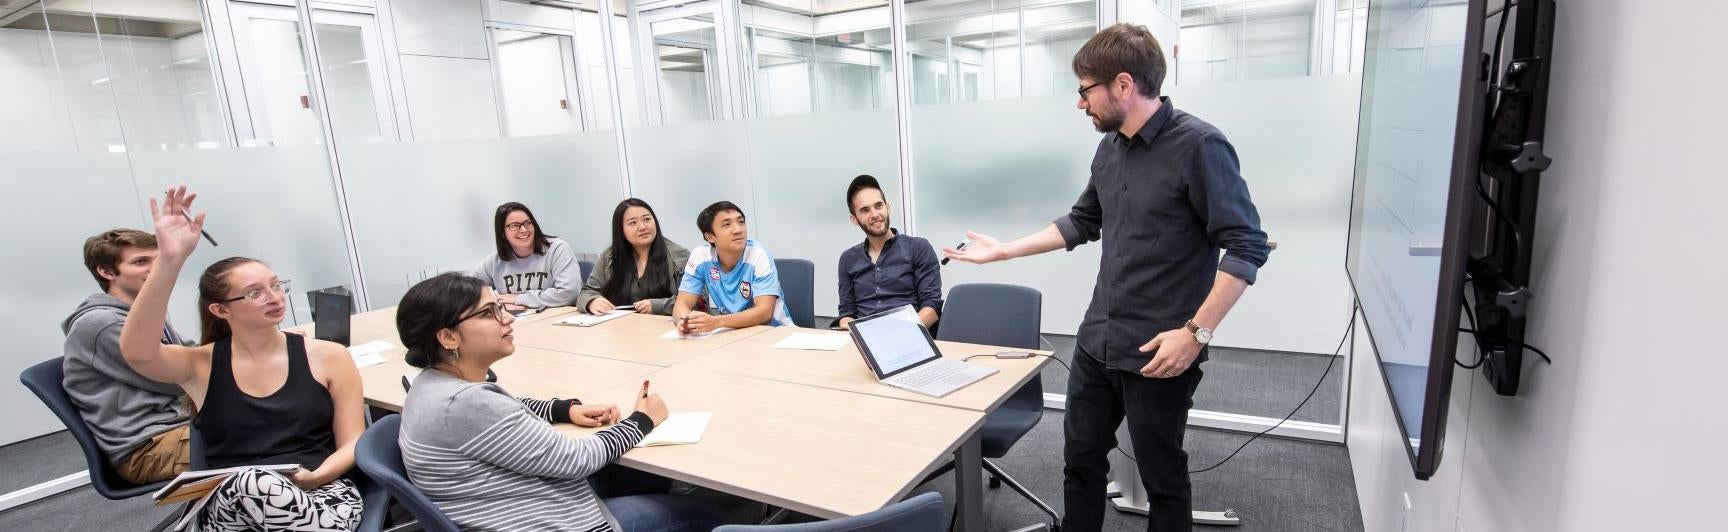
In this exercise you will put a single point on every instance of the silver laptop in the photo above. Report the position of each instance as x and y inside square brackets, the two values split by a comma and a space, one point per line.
[899, 350]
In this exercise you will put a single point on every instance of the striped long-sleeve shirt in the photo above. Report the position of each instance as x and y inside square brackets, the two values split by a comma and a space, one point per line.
[491, 461]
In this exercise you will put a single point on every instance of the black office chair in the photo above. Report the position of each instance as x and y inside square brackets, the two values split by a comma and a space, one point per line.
[1008, 316]
[374, 499]
[45, 379]
[378, 455]
[924, 513]
[587, 268]
[798, 281]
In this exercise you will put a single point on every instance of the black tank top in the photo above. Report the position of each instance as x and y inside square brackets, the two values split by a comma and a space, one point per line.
[291, 426]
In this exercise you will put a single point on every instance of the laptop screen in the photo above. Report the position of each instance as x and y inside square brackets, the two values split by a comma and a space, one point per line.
[894, 340]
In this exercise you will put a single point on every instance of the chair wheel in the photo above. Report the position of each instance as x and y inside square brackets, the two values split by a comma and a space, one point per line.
[995, 482]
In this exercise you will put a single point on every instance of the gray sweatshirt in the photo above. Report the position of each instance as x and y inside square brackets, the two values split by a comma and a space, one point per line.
[550, 279]
[122, 408]
[491, 461]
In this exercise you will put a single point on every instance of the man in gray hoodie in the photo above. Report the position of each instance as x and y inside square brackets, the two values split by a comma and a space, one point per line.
[140, 424]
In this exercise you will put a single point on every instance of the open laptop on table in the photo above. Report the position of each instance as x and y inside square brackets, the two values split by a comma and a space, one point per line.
[899, 350]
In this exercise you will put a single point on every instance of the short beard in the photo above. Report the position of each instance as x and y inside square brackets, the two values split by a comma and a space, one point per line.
[1111, 123]
[867, 232]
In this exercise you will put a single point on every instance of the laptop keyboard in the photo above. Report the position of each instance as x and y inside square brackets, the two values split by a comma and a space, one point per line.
[934, 371]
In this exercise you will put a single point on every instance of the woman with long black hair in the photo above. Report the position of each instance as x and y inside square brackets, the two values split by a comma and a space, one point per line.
[640, 270]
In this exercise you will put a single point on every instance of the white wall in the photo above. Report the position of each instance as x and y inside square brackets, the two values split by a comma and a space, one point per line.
[1623, 431]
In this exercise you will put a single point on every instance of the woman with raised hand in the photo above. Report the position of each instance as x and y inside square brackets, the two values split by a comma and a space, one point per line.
[640, 271]
[260, 396]
[531, 268]
[492, 461]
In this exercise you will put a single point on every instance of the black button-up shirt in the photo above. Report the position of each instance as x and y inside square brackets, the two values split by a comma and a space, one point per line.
[1169, 198]
[906, 273]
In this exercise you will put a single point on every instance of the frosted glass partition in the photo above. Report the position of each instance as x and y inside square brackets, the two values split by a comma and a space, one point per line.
[1296, 140]
[1030, 157]
[801, 166]
[681, 168]
[423, 207]
[273, 204]
[1006, 168]
[70, 197]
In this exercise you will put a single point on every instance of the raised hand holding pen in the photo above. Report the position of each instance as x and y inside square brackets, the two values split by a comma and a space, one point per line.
[177, 230]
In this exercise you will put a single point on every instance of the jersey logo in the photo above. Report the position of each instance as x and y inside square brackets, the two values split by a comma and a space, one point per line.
[744, 289]
[714, 273]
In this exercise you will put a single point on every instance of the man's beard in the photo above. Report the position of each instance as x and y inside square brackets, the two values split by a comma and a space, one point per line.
[1108, 122]
[872, 232]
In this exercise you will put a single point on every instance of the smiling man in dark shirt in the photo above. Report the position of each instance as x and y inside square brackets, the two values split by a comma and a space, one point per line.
[1167, 190]
[887, 270]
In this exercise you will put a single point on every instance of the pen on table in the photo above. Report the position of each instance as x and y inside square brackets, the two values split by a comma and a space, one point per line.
[206, 233]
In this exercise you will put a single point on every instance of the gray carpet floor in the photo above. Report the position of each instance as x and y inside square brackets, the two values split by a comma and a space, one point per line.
[37, 460]
[1242, 381]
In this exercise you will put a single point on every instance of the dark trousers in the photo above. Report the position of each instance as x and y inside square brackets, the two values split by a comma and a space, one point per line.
[618, 481]
[1099, 399]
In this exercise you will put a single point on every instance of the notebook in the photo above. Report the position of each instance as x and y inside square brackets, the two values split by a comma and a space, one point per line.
[590, 320]
[681, 428]
[194, 484]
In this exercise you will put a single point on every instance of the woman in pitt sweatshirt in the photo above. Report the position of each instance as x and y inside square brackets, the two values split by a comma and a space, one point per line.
[532, 269]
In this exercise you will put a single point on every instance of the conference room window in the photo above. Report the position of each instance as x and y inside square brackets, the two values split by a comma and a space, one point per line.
[1235, 40]
[538, 90]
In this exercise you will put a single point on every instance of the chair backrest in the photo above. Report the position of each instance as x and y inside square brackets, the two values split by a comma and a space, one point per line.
[997, 314]
[47, 381]
[587, 267]
[798, 280]
[378, 455]
[924, 513]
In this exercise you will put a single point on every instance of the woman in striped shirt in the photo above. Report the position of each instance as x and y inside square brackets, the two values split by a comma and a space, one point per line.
[491, 461]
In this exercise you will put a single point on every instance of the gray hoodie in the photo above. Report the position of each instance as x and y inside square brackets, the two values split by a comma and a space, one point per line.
[550, 279]
[122, 408]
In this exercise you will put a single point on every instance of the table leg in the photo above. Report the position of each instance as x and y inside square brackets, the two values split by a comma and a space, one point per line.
[969, 485]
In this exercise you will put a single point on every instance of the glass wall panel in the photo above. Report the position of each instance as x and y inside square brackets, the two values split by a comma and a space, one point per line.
[1230, 40]
[685, 57]
[426, 206]
[591, 48]
[534, 83]
[126, 102]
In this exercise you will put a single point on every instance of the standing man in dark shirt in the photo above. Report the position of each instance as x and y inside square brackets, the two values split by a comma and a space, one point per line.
[1167, 190]
[887, 270]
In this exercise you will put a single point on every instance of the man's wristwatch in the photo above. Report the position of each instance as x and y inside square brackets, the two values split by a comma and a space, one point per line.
[1201, 334]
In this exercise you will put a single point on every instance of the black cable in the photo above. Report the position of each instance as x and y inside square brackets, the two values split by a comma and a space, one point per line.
[1470, 314]
[1052, 357]
[1524, 345]
[1317, 384]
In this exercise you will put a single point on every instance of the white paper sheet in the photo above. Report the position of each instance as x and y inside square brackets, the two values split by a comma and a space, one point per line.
[680, 428]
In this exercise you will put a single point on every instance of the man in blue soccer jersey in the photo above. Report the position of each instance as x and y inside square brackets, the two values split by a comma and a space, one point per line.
[729, 283]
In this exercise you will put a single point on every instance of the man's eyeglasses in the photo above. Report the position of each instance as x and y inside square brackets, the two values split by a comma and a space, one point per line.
[1083, 90]
[257, 294]
[496, 310]
[518, 226]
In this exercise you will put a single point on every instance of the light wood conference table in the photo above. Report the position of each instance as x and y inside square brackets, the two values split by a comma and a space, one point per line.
[633, 338]
[823, 452]
[578, 374]
[816, 435]
[845, 369]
